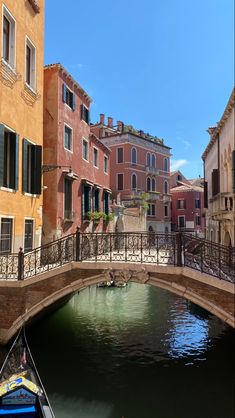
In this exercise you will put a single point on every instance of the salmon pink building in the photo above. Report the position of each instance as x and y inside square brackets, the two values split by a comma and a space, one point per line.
[76, 162]
[140, 165]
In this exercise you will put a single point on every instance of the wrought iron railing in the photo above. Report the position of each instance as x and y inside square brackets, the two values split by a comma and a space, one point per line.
[177, 249]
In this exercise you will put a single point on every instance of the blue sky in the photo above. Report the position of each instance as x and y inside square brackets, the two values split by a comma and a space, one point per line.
[163, 66]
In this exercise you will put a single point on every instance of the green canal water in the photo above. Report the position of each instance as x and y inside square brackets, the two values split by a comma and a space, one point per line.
[135, 352]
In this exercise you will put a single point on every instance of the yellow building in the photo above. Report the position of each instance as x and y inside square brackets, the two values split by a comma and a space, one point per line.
[21, 123]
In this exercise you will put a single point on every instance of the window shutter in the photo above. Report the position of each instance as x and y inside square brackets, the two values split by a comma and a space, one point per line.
[215, 182]
[12, 160]
[73, 101]
[64, 92]
[89, 199]
[1, 153]
[83, 201]
[184, 204]
[205, 194]
[37, 183]
[25, 166]
[82, 111]
[233, 170]
[178, 204]
[16, 161]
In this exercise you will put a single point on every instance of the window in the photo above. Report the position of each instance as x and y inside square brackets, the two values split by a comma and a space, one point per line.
[96, 200]
[68, 96]
[67, 198]
[181, 221]
[179, 177]
[153, 161]
[32, 168]
[86, 199]
[181, 204]
[165, 210]
[28, 235]
[151, 210]
[95, 157]
[8, 38]
[6, 229]
[148, 184]
[106, 203]
[148, 159]
[85, 149]
[105, 164]
[198, 220]
[120, 181]
[30, 64]
[153, 185]
[133, 156]
[68, 138]
[85, 114]
[197, 203]
[120, 155]
[165, 167]
[9, 155]
[165, 187]
[134, 182]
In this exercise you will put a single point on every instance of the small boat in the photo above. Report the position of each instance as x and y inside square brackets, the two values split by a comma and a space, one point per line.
[106, 284]
[21, 391]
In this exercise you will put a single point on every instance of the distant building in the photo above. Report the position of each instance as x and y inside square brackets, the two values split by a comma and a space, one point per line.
[21, 124]
[76, 163]
[219, 169]
[187, 203]
[140, 164]
[177, 179]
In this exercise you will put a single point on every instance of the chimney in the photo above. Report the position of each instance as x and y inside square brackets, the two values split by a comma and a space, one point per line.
[102, 118]
[141, 133]
[120, 126]
[110, 122]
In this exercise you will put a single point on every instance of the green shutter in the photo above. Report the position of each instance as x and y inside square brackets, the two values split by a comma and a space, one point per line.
[2, 130]
[16, 161]
[64, 88]
[83, 201]
[73, 101]
[12, 160]
[233, 170]
[25, 166]
[37, 183]
[89, 199]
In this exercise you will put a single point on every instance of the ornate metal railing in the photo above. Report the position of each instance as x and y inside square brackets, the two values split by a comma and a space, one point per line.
[177, 249]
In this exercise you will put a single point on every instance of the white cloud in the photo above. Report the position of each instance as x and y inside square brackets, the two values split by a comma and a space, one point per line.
[176, 164]
[187, 144]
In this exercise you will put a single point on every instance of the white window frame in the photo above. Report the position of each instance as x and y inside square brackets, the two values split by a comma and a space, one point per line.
[96, 166]
[71, 129]
[134, 149]
[106, 158]
[181, 200]
[12, 40]
[147, 184]
[153, 157]
[84, 159]
[29, 219]
[153, 179]
[119, 190]
[122, 155]
[13, 229]
[148, 153]
[32, 47]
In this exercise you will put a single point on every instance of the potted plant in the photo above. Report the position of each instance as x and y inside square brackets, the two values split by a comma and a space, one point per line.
[96, 216]
[108, 217]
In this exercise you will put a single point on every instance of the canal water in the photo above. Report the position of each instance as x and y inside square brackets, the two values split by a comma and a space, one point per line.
[134, 352]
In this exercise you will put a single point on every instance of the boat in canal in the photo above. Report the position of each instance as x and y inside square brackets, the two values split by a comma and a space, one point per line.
[21, 391]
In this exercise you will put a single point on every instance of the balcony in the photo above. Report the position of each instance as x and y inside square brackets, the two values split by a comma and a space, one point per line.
[166, 198]
[151, 170]
[69, 216]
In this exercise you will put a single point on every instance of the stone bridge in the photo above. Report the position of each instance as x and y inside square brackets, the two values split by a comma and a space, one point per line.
[33, 283]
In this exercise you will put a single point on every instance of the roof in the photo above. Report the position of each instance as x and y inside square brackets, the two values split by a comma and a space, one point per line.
[60, 67]
[99, 142]
[215, 130]
[187, 188]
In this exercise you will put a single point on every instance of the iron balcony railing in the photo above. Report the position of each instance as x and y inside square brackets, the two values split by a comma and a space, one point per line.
[176, 249]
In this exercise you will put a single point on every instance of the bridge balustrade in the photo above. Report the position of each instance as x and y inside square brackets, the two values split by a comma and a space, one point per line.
[177, 249]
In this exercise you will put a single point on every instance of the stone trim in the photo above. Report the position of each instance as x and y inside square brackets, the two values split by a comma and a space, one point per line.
[34, 4]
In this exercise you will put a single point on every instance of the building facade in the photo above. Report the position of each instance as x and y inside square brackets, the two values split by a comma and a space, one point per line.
[219, 173]
[21, 123]
[76, 162]
[140, 169]
[187, 202]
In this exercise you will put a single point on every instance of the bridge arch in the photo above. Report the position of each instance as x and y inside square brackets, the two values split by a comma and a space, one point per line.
[52, 287]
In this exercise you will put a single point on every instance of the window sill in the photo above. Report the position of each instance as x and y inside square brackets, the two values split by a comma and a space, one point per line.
[69, 150]
[9, 66]
[31, 89]
[7, 189]
[30, 194]
[87, 161]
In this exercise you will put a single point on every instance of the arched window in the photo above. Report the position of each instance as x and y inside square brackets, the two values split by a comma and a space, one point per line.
[153, 161]
[134, 182]
[165, 186]
[148, 159]
[133, 156]
[148, 184]
[165, 168]
[153, 185]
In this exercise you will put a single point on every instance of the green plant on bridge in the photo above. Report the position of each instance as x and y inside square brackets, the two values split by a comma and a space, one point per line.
[143, 202]
[108, 217]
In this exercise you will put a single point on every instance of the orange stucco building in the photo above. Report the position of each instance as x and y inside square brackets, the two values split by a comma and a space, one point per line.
[21, 123]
